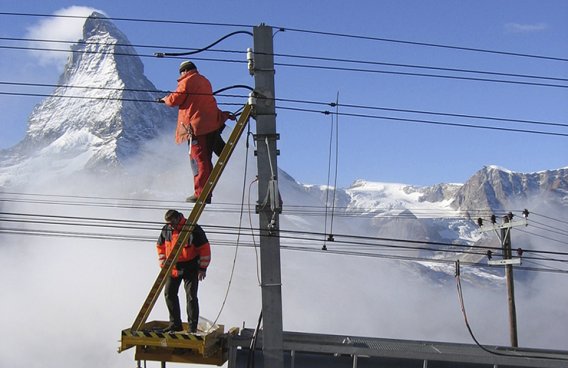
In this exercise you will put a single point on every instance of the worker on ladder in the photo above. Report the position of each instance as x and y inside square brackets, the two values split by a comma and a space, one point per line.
[200, 122]
[191, 267]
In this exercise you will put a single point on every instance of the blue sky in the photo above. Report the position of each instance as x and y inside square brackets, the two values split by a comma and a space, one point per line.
[376, 149]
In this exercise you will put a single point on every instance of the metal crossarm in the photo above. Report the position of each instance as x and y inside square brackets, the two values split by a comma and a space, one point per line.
[192, 219]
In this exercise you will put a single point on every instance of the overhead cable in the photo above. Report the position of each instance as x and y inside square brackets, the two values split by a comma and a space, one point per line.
[187, 53]
[299, 30]
[300, 101]
[138, 20]
[367, 116]
[192, 51]
[347, 69]
[421, 121]
[357, 240]
[426, 44]
[456, 77]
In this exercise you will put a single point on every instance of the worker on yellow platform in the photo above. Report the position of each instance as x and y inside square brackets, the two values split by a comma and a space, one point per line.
[191, 267]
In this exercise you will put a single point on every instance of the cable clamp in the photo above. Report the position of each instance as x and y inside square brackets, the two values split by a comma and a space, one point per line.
[269, 136]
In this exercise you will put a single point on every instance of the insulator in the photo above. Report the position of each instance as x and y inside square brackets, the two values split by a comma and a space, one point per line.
[250, 61]
[480, 222]
[252, 99]
[330, 238]
[489, 254]
[510, 215]
[493, 219]
[526, 213]
[520, 252]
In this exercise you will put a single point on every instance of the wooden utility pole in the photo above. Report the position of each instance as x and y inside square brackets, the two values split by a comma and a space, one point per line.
[504, 235]
[508, 254]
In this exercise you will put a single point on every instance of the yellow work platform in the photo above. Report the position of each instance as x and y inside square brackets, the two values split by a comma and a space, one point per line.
[203, 347]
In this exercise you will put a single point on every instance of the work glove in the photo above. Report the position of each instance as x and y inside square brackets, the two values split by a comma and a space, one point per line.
[201, 275]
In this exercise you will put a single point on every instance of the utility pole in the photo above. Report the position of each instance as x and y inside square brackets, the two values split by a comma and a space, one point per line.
[504, 235]
[508, 254]
[268, 206]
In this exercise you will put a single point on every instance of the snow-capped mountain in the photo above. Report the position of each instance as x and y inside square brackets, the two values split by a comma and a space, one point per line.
[98, 115]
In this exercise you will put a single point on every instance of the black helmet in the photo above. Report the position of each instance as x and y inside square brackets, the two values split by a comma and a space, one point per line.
[186, 65]
[171, 215]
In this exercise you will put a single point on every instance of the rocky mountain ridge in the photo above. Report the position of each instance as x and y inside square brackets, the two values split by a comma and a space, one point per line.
[497, 188]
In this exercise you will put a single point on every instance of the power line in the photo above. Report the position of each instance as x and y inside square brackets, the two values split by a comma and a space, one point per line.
[367, 116]
[426, 44]
[376, 71]
[318, 67]
[124, 89]
[565, 222]
[393, 243]
[431, 122]
[137, 20]
[420, 260]
[348, 69]
[293, 56]
[312, 102]
[542, 236]
[162, 204]
[425, 112]
[112, 53]
[83, 200]
[299, 30]
[550, 228]
[349, 251]
[417, 66]
[82, 42]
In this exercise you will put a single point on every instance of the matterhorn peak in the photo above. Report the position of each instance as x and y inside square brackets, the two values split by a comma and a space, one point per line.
[98, 23]
[102, 109]
[101, 37]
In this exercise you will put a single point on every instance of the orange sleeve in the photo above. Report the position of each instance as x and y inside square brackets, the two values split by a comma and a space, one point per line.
[161, 253]
[179, 96]
[204, 256]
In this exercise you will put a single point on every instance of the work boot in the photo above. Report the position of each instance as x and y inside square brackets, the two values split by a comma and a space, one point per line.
[173, 328]
[193, 199]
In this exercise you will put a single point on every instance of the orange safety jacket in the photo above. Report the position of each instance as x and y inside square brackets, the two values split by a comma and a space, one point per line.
[196, 247]
[198, 112]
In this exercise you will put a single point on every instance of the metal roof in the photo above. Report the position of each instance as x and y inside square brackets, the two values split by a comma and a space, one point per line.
[313, 350]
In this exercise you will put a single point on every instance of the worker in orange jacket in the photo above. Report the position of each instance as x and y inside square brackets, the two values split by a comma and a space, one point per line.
[200, 122]
[191, 267]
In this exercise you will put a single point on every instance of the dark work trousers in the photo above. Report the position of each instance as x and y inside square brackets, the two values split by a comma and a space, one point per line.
[216, 142]
[187, 272]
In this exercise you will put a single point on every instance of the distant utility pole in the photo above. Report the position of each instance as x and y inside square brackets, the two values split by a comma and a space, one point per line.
[504, 235]
[268, 206]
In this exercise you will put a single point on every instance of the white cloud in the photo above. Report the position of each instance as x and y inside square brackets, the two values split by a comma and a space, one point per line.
[525, 28]
[60, 29]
